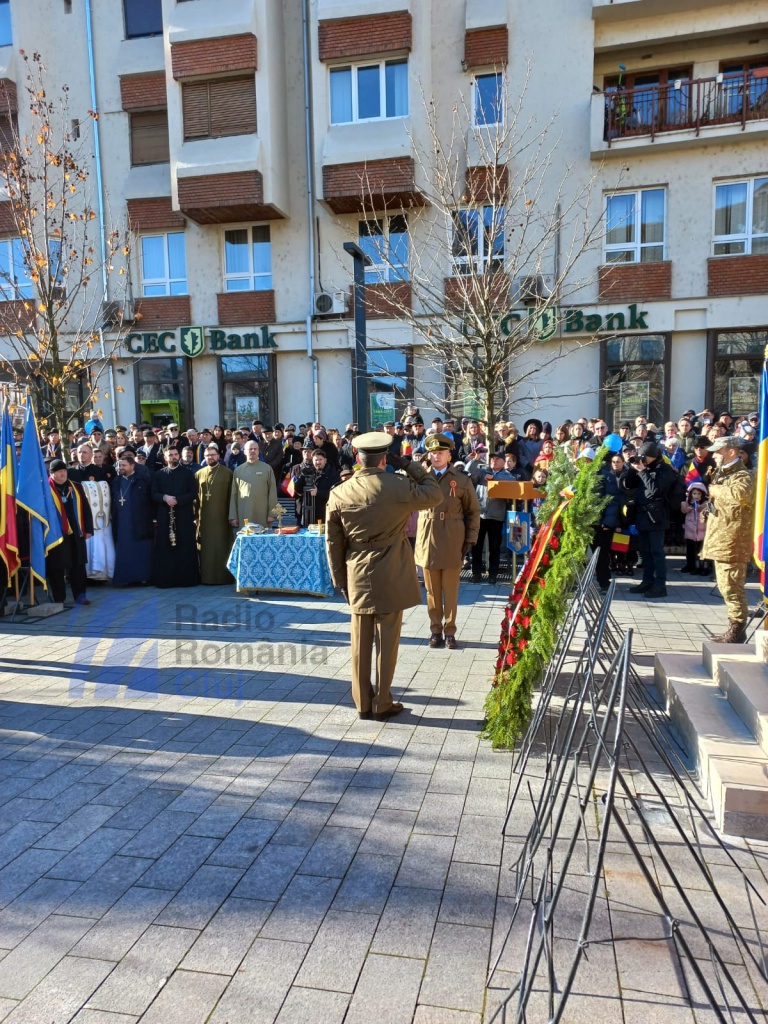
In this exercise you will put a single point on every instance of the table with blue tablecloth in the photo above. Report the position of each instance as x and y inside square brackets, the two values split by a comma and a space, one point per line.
[293, 563]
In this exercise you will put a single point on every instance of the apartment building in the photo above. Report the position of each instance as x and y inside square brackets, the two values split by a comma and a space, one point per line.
[239, 164]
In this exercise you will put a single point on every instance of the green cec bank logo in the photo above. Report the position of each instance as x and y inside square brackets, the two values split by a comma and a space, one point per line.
[191, 341]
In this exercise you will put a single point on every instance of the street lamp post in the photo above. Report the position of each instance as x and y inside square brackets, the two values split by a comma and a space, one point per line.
[361, 261]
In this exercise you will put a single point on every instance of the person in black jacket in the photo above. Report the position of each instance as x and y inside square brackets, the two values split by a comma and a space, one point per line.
[70, 557]
[611, 476]
[132, 521]
[274, 453]
[314, 488]
[650, 480]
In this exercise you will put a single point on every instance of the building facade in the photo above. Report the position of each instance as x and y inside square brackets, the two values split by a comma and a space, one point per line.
[236, 136]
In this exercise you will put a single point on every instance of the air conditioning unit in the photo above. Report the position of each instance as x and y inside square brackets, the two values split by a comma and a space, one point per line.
[330, 303]
[533, 288]
[113, 314]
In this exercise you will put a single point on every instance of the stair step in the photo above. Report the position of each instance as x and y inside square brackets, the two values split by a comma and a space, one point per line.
[761, 639]
[745, 684]
[732, 765]
[713, 654]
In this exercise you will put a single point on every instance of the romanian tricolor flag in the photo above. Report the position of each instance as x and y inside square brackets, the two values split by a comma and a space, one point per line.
[34, 495]
[9, 541]
[761, 505]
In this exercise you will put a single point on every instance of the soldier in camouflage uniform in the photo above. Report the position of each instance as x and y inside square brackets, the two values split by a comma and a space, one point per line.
[728, 540]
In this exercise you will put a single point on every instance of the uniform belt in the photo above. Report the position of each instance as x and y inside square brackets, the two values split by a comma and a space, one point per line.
[369, 545]
[442, 515]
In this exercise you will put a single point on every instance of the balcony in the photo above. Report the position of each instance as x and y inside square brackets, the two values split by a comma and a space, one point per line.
[622, 10]
[681, 112]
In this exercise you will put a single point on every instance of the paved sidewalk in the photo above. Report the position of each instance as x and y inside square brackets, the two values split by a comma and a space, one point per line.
[196, 827]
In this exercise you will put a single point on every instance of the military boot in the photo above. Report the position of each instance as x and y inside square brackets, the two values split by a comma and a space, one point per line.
[735, 634]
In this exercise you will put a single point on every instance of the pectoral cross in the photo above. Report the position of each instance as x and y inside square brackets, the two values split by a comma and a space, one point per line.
[122, 499]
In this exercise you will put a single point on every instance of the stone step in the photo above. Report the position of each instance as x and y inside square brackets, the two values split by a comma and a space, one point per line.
[761, 639]
[731, 764]
[744, 681]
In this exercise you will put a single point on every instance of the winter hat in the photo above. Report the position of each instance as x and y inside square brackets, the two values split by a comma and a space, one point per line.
[55, 465]
[697, 484]
[587, 453]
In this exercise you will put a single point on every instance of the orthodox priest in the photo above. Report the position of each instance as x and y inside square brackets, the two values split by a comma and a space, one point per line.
[174, 490]
[69, 558]
[254, 492]
[214, 535]
[132, 522]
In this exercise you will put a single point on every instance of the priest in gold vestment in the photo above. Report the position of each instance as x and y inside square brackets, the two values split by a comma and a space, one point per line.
[214, 534]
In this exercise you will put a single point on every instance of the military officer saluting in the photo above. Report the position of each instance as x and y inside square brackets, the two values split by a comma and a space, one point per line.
[445, 535]
[372, 564]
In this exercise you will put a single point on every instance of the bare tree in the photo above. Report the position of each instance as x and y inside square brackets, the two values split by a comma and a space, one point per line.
[54, 263]
[497, 230]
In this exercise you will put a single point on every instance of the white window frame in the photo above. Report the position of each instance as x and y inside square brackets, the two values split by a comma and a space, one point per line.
[251, 276]
[166, 281]
[748, 236]
[473, 98]
[466, 265]
[16, 288]
[354, 68]
[386, 272]
[636, 245]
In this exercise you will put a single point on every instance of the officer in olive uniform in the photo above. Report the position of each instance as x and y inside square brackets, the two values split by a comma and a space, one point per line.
[445, 535]
[372, 563]
[728, 540]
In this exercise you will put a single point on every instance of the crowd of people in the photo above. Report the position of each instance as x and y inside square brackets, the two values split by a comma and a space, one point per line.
[161, 505]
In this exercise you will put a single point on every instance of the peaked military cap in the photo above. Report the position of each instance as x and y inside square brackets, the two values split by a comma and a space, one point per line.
[439, 443]
[373, 443]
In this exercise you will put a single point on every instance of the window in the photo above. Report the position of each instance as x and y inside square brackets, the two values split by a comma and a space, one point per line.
[634, 226]
[386, 242]
[6, 36]
[219, 107]
[248, 259]
[164, 264]
[488, 99]
[478, 240]
[741, 217]
[390, 377]
[734, 364]
[635, 371]
[149, 137]
[369, 92]
[744, 83]
[143, 18]
[14, 279]
[247, 389]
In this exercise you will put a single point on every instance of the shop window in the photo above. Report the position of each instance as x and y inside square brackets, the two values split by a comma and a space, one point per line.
[369, 92]
[488, 99]
[635, 373]
[149, 137]
[248, 259]
[386, 242]
[634, 226]
[390, 377]
[163, 389]
[478, 240]
[219, 107]
[741, 217]
[247, 386]
[163, 264]
[6, 36]
[736, 362]
[143, 18]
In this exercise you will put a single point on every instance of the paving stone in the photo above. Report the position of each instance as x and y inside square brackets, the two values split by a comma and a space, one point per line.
[451, 777]
[244, 843]
[440, 1015]
[155, 838]
[187, 998]
[179, 863]
[426, 861]
[479, 841]
[26, 912]
[257, 991]
[389, 832]
[196, 902]
[141, 809]
[94, 897]
[407, 924]
[103, 1017]
[19, 838]
[24, 870]
[336, 957]
[62, 992]
[488, 796]
[228, 936]
[303, 824]
[440, 814]
[76, 828]
[39, 953]
[457, 966]
[332, 852]
[277, 800]
[88, 857]
[310, 1006]
[301, 908]
[270, 873]
[328, 785]
[121, 926]
[470, 894]
[135, 981]
[406, 791]
[219, 819]
[380, 997]
[367, 884]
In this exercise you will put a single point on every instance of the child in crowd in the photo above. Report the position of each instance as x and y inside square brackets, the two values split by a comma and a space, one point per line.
[540, 477]
[693, 509]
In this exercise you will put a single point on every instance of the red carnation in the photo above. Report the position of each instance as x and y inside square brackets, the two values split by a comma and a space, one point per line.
[523, 644]
[512, 631]
[554, 543]
[545, 559]
[511, 658]
[525, 622]
[525, 602]
[542, 583]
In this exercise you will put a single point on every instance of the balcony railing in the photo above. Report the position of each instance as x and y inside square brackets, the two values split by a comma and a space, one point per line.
[733, 98]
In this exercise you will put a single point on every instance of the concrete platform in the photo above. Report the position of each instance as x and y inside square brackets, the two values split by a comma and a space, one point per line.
[719, 702]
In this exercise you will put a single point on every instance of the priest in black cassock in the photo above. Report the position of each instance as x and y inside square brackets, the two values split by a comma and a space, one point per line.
[174, 490]
[132, 516]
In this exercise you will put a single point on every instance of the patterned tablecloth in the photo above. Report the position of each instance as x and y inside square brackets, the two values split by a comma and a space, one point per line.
[293, 563]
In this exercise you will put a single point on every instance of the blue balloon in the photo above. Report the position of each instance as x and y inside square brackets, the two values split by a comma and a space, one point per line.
[613, 443]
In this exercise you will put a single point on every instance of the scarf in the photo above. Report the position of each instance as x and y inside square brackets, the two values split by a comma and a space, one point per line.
[77, 505]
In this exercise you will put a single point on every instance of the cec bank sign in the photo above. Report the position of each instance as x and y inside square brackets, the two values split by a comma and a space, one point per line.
[193, 341]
